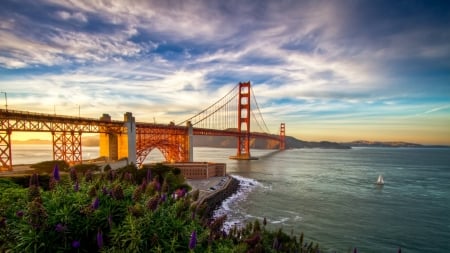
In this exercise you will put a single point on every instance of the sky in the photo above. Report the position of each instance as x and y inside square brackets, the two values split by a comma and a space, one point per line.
[330, 70]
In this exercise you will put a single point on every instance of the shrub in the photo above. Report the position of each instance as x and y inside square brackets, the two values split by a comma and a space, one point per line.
[47, 166]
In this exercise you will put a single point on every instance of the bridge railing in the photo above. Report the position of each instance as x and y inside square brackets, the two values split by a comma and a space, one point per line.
[50, 116]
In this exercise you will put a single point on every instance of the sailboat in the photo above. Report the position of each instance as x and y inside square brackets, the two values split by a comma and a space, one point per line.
[380, 180]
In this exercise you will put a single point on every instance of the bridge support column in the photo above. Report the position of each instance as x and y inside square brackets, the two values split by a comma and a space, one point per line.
[118, 146]
[243, 148]
[190, 141]
[127, 143]
[5, 150]
[282, 137]
[67, 146]
[108, 141]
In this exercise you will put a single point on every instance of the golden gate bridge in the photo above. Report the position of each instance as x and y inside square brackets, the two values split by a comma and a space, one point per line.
[235, 114]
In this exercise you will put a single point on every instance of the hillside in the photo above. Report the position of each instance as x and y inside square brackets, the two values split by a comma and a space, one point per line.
[291, 142]
[391, 144]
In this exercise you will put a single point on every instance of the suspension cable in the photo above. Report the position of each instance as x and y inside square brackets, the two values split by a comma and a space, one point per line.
[205, 110]
[259, 111]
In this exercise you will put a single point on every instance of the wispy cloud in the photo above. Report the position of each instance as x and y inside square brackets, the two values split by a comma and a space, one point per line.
[307, 60]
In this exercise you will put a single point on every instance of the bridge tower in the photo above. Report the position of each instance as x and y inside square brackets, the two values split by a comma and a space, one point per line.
[282, 137]
[243, 145]
[117, 146]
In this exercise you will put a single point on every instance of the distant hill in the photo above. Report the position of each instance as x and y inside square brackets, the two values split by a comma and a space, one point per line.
[291, 142]
[31, 141]
[392, 144]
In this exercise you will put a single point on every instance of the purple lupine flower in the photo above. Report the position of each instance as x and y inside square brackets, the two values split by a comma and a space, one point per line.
[95, 203]
[56, 173]
[34, 180]
[73, 174]
[128, 176]
[355, 250]
[99, 239]
[104, 190]
[75, 244]
[60, 228]
[157, 185]
[149, 175]
[19, 213]
[275, 243]
[76, 187]
[163, 197]
[399, 250]
[193, 240]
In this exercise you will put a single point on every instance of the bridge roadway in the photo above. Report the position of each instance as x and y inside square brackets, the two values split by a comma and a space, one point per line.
[118, 139]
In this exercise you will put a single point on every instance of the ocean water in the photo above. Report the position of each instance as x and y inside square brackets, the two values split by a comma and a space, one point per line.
[330, 195]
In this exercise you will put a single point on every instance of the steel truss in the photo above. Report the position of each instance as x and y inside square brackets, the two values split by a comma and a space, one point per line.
[172, 141]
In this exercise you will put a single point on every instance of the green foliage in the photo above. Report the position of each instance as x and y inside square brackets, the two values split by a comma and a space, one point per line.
[82, 168]
[47, 166]
[127, 217]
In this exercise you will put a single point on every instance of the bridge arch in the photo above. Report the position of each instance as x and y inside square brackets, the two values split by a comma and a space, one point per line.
[173, 144]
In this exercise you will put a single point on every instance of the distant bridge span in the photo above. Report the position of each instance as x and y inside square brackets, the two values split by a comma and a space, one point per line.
[135, 140]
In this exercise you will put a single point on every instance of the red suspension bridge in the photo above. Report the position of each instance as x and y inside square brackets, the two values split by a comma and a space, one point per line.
[235, 114]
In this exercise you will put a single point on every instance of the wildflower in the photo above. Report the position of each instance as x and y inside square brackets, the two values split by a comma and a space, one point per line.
[110, 176]
[143, 184]
[152, 204]
[37, 215]
[355, 250]
[99, 239]
[19, 213]
[75, 244]
[56, 173]
[149, 175]
[60, 228]
[88, 176]
[95, 203]
[399, 250]
[193, 240]
[105, 190]
[163, 198]
[137, 194]
[76, 187]
[275, 244]
[73, 175]
[34, 180]
[52, 183]
[128, 177]
[117, 192]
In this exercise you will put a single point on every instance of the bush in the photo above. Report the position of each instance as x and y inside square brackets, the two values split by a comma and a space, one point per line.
[82, 168]
[47, 166]
[114, 215]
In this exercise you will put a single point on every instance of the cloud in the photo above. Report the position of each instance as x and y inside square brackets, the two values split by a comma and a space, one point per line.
[77, 16]
[317, 60]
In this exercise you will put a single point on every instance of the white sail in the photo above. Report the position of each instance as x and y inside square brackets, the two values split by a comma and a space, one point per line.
[380, 180]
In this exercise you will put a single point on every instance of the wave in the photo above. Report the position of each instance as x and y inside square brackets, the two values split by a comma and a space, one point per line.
[246, 185]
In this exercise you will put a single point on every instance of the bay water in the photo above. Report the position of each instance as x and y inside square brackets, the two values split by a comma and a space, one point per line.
[331, 195]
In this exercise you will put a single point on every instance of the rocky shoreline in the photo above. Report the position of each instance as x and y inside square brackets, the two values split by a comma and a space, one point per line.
[226, 187]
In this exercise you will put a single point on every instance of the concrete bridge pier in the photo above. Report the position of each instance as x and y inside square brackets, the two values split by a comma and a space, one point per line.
[115, 146]
[190, 141]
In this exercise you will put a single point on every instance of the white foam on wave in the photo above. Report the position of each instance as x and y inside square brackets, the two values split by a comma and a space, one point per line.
[283, 220]
[246, 185]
